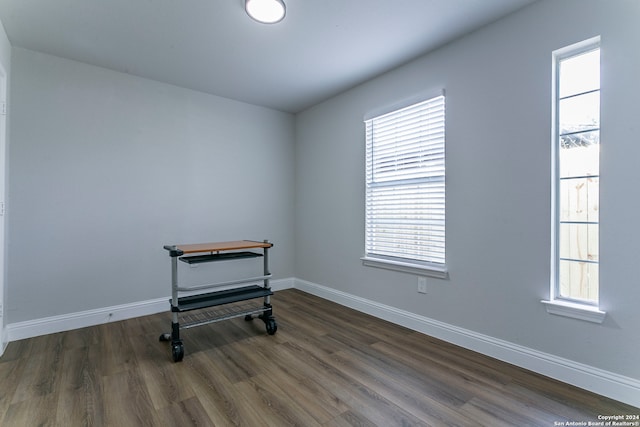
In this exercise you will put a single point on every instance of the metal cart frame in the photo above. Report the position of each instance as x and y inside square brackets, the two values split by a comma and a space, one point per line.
[200, 305]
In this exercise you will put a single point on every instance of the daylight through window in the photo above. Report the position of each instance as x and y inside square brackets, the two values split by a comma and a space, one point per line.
[405, 184]
[577, 153]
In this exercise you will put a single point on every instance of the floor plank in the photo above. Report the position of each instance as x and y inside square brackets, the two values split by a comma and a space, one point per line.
[326, 366]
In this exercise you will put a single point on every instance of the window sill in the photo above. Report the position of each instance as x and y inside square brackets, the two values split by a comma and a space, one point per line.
[575, 311]
[406, 267]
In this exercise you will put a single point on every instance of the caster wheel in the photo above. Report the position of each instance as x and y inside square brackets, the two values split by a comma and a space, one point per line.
[248, 317]
[177, 351]
[165, 337]
[272, 326]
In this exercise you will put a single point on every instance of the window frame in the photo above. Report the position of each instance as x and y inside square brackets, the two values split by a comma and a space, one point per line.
[565, 306]
[407, 265]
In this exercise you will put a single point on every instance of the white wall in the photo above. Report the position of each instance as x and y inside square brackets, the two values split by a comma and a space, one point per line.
[498, 86]
[5, 48]
[106, 168]
[5, 69]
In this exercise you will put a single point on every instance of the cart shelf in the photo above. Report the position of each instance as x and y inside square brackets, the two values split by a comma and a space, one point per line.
[197, 259]
[195, 302]
[220, 313]
[219, 305]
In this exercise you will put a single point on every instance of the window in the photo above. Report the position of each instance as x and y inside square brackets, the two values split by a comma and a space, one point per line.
[576, 177]
[405, 189]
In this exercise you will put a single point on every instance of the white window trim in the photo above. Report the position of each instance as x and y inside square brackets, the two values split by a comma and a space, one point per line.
[574, 310]
[557, 306]
[428, 269]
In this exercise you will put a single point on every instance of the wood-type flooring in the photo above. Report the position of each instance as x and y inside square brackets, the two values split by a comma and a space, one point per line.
[326, 366]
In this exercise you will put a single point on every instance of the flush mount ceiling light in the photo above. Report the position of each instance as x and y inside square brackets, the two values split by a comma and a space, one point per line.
[265, 11]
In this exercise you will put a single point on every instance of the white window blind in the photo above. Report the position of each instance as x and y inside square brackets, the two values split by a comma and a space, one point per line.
[405, 184]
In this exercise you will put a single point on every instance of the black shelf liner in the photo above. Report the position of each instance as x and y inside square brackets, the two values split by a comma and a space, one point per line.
[195, 302]
[197, 259]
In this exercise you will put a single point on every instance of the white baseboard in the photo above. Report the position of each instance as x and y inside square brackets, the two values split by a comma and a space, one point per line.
[4, 340]
[66, 322]
[605, 383]
[282, 284]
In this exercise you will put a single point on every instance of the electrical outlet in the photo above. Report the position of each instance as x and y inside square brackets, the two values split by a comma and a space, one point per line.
[422, 285]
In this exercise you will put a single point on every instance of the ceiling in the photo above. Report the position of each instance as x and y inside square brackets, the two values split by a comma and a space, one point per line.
[322, 47]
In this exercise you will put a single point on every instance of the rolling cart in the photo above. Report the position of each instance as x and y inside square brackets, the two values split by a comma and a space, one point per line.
[205, 308]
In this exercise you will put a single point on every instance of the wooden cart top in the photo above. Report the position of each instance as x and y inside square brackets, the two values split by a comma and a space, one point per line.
[222, 246]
